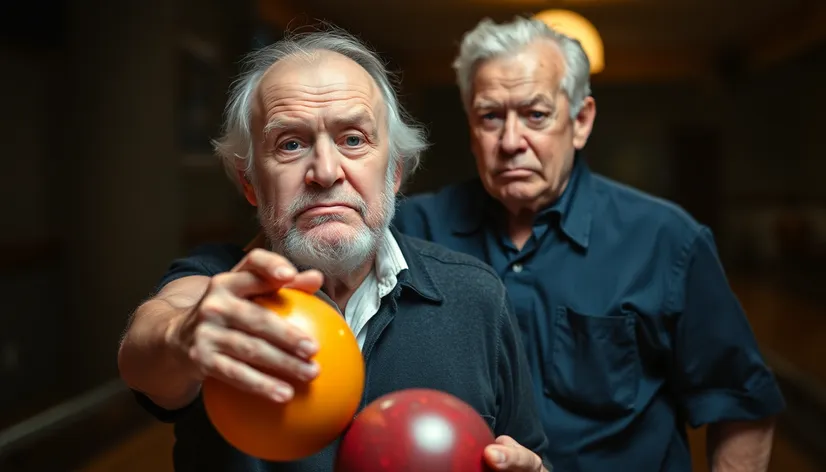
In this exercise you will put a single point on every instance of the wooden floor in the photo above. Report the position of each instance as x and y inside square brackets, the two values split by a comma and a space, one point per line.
[151, 450]
[789, 325]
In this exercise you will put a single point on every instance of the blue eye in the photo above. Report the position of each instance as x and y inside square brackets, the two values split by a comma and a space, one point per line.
[352, 140]
[537, 117]
[290, 145]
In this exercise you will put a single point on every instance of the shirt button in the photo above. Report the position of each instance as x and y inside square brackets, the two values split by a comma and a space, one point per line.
[517, 268]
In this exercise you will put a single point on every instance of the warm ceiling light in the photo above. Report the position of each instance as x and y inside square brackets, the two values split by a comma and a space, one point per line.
[576, 26]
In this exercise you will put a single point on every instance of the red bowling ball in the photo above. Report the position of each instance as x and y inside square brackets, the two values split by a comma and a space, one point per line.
[415, 430]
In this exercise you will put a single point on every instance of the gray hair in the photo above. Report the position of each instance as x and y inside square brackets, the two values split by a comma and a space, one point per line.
[235, 147]
[489, 40]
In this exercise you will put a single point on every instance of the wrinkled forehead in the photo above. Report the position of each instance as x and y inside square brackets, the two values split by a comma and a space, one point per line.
[318, 86]
[534, 71]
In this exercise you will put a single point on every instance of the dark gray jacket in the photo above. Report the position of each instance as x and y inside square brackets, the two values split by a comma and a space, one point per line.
[447, 325]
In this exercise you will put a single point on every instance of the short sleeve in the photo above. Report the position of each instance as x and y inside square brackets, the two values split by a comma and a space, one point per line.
[720, 372]
[206, 260]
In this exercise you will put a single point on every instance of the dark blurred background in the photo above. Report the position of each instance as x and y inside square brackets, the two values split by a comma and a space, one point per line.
[108, 175]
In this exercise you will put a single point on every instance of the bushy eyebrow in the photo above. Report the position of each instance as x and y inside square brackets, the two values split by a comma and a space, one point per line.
[538, 99]
[358, 118]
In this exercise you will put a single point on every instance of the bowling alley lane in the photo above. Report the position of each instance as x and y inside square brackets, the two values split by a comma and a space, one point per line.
[789, 324]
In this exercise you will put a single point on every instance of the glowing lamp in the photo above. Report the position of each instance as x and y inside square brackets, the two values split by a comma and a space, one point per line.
[577, 27]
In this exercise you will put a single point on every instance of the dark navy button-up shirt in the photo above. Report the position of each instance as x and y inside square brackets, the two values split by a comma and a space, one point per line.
[630, 325]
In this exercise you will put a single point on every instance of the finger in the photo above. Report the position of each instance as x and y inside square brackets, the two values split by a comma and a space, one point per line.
[506, 440]
[242, 376]
[308, 281]
[260, 354]
[269, 265]
[255, 320]
[241, 284]
[496, 457]
[507, 454]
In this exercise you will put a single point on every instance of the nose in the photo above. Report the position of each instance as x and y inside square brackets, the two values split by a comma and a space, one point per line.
[512, 140]
[325, 169]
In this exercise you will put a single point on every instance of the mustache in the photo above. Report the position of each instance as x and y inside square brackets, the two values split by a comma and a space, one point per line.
[312, 198]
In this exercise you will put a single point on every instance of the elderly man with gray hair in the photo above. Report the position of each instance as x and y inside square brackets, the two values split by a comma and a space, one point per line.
[317, 140]
[630, 326]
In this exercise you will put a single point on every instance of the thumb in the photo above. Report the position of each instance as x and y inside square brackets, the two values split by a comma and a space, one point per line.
[506, 441]
[498, 454]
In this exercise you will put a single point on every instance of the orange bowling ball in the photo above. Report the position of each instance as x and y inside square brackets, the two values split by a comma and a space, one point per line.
[319, 411]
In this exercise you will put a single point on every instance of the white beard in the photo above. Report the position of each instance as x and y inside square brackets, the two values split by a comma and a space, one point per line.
[333, 259]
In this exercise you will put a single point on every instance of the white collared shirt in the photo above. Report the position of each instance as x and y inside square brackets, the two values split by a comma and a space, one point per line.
[366, 300]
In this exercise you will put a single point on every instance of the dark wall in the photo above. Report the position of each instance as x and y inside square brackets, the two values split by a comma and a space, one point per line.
[107, 177]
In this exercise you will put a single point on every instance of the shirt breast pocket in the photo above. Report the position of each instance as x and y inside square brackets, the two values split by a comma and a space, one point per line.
[594, 367]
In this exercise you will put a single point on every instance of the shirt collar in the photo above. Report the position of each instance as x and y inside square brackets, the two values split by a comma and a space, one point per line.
[390, 262]
[417, 277]
[399, 264]
[574, 208]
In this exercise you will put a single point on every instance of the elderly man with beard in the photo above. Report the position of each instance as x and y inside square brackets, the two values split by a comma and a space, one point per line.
[320, 145]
